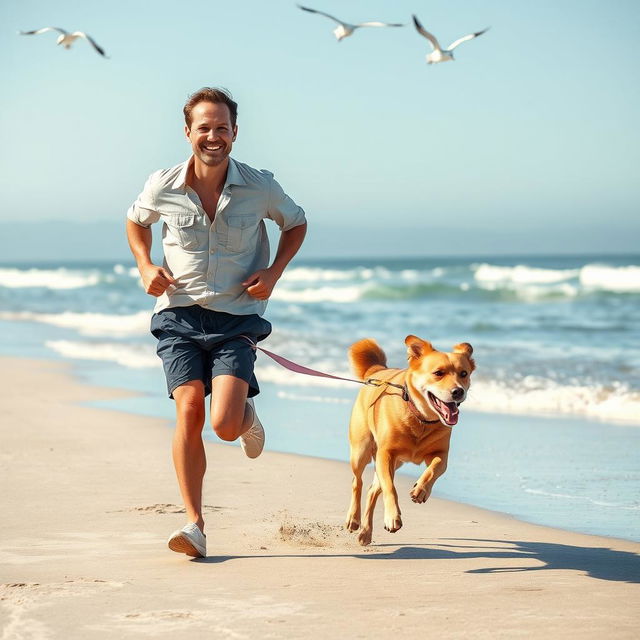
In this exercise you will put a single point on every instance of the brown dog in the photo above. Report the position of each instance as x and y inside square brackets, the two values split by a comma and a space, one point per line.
[407, 417]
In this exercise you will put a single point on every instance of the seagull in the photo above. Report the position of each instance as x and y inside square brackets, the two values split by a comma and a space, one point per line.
[345, 29]
[65, 38]
[439, 54]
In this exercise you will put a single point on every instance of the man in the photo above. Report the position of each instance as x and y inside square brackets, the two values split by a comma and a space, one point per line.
[212, 289]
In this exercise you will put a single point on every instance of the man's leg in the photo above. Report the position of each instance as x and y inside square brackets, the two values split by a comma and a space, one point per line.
[231, 416]
[188, 450]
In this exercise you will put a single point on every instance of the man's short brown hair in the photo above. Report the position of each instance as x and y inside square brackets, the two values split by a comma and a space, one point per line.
[216, 95]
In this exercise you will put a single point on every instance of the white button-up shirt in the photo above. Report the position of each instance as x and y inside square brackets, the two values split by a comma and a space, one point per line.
[208, 259]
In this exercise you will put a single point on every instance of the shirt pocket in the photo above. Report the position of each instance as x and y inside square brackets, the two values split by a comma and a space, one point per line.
[183, 228]
[239, 231]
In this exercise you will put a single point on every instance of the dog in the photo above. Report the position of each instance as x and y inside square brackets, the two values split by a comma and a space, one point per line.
[402, 415]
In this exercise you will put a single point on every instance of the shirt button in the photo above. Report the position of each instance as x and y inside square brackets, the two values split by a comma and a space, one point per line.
[210, 250]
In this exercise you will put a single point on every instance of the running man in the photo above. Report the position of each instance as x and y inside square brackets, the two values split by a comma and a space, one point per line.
[212, 288]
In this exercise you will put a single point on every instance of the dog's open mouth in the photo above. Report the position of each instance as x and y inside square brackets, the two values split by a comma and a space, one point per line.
[448, 411]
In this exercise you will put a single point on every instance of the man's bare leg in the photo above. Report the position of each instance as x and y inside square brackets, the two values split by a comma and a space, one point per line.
[231, 416]
[188, 450]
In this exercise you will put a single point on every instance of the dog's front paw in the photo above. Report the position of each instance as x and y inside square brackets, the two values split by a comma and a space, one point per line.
[364, 537]
[419, 494]
[352, 524]
[392, 523]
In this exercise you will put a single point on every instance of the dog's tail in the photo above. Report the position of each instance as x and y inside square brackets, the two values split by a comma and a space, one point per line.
[366, 358]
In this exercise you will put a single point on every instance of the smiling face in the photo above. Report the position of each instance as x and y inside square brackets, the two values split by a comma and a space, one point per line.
[211, 133]
[442, 379]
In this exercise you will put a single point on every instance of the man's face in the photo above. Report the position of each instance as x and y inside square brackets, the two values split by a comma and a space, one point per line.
[211, 133]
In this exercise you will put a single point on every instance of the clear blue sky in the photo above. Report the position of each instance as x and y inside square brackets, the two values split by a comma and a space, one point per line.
[529, 141]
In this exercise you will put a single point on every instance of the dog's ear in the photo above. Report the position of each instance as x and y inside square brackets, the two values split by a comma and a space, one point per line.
[416, 348]
[466, 349]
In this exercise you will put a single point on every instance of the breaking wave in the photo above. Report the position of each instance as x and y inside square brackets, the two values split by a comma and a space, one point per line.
[133, 356]
[90, 324]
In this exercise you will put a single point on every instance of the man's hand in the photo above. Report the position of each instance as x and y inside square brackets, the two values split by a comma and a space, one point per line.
[260, 284]
[155, 280]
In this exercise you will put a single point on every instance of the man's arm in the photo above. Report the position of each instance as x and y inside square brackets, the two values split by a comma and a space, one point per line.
[155, 279]
[261, 283]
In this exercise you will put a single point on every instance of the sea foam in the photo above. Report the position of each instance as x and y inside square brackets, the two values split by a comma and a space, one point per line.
[89, 324]
[521, 274]
[541, 396]
[591, 276]
[606, 278]
[47, 278]
[319, 294]
[134, 356]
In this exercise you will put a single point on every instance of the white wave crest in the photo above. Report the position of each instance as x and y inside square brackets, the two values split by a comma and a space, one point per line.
[121, 270]
[319, 274]
[606, 278]
[522, 274]
[319, 294]
[540, 396]
[600, 277]
[127, 355]
[89, 324]
[47, 278]
[315, 274]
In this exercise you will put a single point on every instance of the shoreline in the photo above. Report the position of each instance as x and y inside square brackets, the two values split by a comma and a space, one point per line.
[453, 486]
[91, 498]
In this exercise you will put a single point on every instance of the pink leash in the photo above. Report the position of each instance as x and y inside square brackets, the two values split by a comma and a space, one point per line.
[298, 368]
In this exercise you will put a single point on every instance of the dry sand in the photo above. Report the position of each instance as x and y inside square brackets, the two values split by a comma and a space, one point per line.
[89, 498]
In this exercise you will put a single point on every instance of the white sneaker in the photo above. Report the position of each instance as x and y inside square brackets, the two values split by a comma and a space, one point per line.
[189, 540]
[252, 440]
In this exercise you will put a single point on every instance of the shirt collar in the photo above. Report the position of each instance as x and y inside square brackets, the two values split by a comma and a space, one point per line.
[233, 174]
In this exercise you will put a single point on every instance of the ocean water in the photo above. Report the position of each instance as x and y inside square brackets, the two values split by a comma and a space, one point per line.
[555, 401]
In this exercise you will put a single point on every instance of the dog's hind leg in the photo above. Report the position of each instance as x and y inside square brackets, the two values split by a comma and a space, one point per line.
[364, 537]
[386, 467]
[361, 455]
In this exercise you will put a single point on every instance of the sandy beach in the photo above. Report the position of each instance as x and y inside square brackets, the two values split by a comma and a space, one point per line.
[89, 499]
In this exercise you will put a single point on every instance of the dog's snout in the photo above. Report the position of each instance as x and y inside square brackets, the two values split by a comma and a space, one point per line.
[457, 393]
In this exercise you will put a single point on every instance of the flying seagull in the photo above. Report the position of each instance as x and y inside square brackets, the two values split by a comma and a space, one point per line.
[345, 29]
[65, 38]
[439, 54]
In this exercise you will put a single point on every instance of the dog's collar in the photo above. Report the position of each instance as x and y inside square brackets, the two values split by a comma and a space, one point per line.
[412, 407]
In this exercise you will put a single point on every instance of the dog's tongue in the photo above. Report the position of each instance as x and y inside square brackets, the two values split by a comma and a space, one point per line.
[448, 411]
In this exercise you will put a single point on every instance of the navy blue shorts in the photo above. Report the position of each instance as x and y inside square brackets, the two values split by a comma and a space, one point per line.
[199, 344]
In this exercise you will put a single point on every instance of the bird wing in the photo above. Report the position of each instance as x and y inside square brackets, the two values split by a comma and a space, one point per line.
[470, 36]
[37, 31]
[429, 36]
[94, 44]
[322, 13]
[378, 24]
